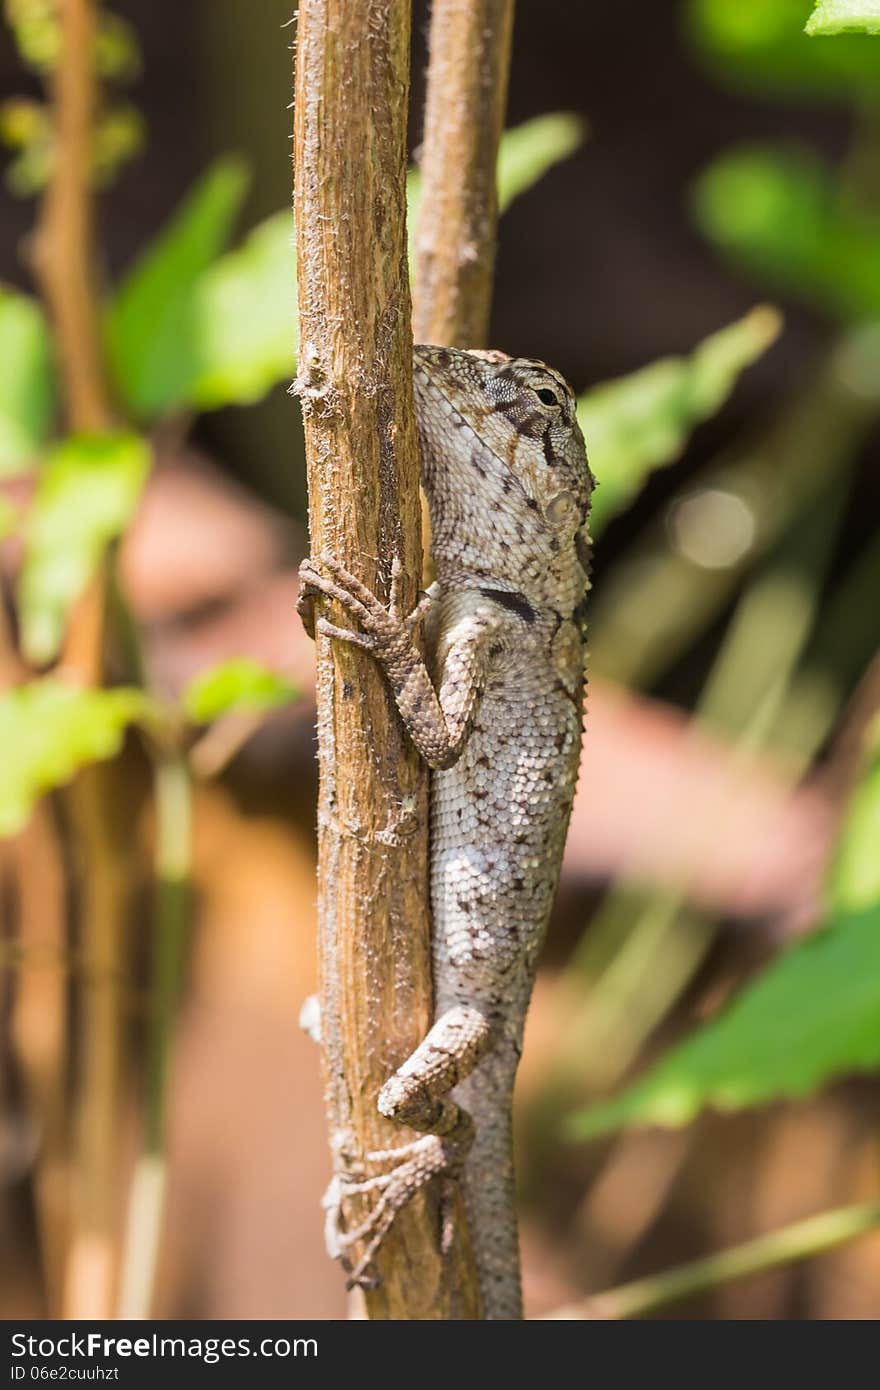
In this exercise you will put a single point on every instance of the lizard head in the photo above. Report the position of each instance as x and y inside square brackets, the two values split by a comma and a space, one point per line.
[503, 457]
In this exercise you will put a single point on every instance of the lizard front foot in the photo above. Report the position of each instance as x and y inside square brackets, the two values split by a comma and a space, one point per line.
[382, 630]
[415, 1164]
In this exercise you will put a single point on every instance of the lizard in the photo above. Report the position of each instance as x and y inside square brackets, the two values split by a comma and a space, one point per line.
[496, 709]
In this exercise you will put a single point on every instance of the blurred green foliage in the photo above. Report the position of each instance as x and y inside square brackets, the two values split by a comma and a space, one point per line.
[9, 516]
[246, 325]
[37, 30]
[842, 16]
[526, 154]
[530, 150]
[812, 231]
[152, 322]
[854, 881]
[782, 216]
[52, 727]
[761, 45]
[810, 1017]
[119, 135]
[87, 492]
[642, 421]
[26, 126]
[27, 385]
[235, 687]
[49, 729]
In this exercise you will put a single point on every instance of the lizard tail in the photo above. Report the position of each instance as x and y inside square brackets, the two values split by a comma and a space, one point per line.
[489, 1190]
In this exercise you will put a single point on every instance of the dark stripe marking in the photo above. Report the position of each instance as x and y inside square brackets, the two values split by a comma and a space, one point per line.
[526, 425]
[514, 603]
[548, 449]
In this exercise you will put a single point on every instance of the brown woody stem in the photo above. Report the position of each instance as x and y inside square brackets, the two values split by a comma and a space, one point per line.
[63, 256]
[64, 263]
[355, 385]
[470, 45]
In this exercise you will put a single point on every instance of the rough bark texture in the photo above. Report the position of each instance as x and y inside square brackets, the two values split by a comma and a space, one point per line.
[467, 94]
[355, 384]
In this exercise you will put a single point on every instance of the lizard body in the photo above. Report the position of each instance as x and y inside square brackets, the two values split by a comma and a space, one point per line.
[496, 710]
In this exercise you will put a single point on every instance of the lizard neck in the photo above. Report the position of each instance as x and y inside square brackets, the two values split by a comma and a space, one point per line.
[555, 585]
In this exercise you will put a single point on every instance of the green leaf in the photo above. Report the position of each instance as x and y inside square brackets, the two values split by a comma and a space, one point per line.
[48, 730]
[761, 45]
[189, 330]
[525, 154]
[640, 422]
[236, 686]
[245, 336]
[241, 335]
[812, 1016]
[776, 215]
[809, 1018]
[529, 150]
[152, 322]
[839, 16]
[27, 382]
[87, 492]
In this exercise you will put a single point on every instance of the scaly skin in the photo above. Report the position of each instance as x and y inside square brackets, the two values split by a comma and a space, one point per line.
[496, 710]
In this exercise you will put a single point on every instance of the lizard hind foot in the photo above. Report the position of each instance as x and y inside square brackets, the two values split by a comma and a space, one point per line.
[415, 1165]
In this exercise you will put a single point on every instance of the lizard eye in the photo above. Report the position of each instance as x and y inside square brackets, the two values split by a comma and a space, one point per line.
[546, 396]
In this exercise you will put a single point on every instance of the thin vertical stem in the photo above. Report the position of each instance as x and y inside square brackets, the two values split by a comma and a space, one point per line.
[64, 261]
[173, 855]
[63, 244]
[470, 43]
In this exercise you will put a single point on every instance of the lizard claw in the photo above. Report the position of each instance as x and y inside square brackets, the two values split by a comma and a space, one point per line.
[305, 602]
[381, 627]
[340, 585]
[417, 1163]
[345, 634]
